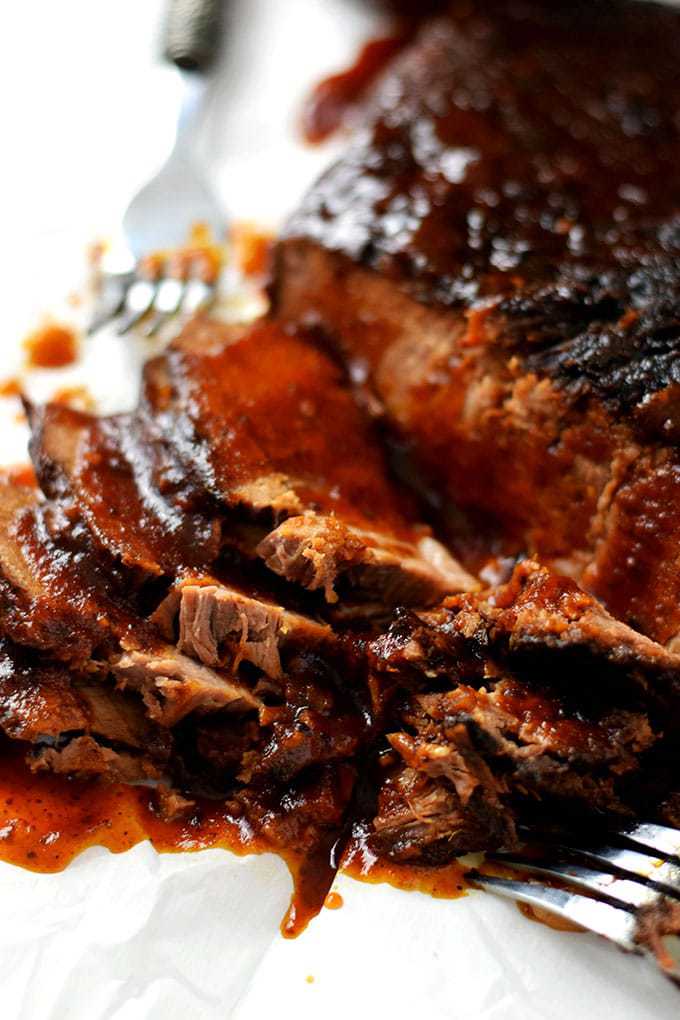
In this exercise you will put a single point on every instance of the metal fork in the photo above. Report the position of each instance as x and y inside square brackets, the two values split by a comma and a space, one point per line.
[626, 889]
[161, 215]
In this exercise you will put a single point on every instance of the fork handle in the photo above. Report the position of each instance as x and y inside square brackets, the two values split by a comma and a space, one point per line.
[191, 34]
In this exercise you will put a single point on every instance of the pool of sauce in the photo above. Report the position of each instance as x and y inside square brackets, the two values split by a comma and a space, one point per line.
[47, 820]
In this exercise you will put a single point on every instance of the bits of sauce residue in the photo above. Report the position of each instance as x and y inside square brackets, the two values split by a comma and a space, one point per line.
[10, 388]
[542, 916]
[333, 901]
[18, 474]
[53, 345]
[201, 257]
[331, 101]
[251, 248]
[78, 397]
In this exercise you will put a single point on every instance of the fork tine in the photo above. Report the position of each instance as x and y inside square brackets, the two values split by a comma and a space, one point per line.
[167, 302]
[659, 838]
[663, 875]
[110, 300]
[138, 301]
[613, 923]
[625, 891]
[198, 296]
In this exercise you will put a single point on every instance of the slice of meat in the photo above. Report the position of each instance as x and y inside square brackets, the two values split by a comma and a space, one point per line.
[510, 307]
[421, 819]
[315, 551]
[139, 503]
[77, 726]
[221, 625]
[543, 622]
[52, 597]
[476, 755]
[214, 425]
[273, 433]
[86, 758]
[265, 417]
[37, 702]
[173, 685]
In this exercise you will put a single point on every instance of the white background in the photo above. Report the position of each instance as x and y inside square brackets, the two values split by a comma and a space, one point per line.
[87, 114]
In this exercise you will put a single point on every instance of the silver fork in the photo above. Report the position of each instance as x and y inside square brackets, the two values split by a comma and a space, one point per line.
[161, 215]
[626, 889]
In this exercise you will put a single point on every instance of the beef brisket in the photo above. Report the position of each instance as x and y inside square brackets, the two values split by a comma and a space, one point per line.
[495, 258]
[245, 426]
[137, 501]
[524, 694]
[173, 685]
[221, 625]
[79, 726]
[225, 593]
[317, 550]
[52, 597]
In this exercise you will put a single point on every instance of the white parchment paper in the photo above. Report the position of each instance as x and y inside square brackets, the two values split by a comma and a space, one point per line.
[146, 937]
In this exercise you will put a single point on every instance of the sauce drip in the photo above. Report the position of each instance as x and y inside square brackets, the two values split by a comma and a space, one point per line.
[52, 346]
[47, 820]
[333, 901]
[331, 101]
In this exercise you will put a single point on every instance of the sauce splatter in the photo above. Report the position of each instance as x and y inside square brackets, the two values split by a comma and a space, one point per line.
[53, 345]
[333, 901]
[10, 388]
[202, 257]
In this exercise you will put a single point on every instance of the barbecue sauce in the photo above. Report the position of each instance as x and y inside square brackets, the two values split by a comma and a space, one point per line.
[332, 100]
[47, 820]
[52, 346]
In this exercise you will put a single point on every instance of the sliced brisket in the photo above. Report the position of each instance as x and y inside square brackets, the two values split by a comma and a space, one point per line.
[137, 500]
[220, 625]
[54, 597]
[81, 726]
[524, 694]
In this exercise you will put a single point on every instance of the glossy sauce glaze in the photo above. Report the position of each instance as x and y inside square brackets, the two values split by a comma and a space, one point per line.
[505, 163]
[47, 820]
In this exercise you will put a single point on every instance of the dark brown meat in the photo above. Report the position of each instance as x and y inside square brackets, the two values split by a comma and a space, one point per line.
[269, 427]
[52, 597]
[258, 422]
[528, 693]
[80, 726]
[495, 258]
[136, 499]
